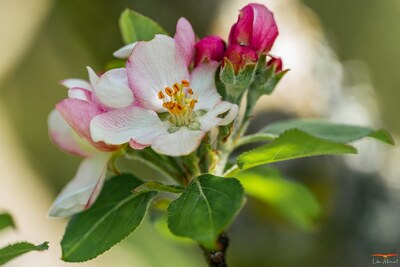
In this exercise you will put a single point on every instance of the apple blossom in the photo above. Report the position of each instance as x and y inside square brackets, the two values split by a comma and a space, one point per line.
[174, 107]
[69, 127]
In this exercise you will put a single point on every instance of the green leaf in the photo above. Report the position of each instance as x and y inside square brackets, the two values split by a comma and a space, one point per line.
[15, 250]
[207, 206]
[291, 144]
[136, 27]
[155, 186]
[115, 214]
[290, 199]
[6, 221]
[340, 133]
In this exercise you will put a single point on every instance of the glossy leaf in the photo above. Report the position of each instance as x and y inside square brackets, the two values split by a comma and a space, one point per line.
[15, 250]
[115, 214]
[290, 199]
[207, 206]
[340, 133]
[137, 27]
[291, 144]
[6, 221]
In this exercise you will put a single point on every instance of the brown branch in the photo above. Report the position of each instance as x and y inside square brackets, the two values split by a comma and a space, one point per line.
[217, 258]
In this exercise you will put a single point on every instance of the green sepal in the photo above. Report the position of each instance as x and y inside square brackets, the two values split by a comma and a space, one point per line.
[264, 81]
[206, 208]
[137, 27]
[235, 84]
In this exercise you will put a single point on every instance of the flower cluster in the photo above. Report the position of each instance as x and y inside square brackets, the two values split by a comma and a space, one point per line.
[165, 98]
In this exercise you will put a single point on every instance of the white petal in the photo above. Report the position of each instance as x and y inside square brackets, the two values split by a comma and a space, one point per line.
[211, 119]
[63, 135]
[79, 83]
[120, 126]
[151, 67]
[92, 76]
[232, 114]
[179, 143]
[80, 193]
[79, 93]
[112, 89]
[125, 51]
[203, 83]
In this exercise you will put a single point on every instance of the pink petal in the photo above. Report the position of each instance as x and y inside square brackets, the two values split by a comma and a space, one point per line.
[71, 83]
[62, 135]
[180, 143]
[78, 114]
[202, 82]
[80, 193]
[242, 34]
[151, 67]
[212, 119]
[265, 29]
[125, 51]
[185, 40]
[209, 48]
[120, 126]
[112, 89]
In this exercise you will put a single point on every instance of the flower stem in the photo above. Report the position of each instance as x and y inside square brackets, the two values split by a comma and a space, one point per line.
[217, 258]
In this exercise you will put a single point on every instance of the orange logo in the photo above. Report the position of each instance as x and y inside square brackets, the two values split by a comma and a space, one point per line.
[385, 256]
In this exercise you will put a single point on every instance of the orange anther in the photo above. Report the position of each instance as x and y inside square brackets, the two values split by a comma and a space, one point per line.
[193, 103]
[169, 91]
[190, 91]
[161, 95]
[176, 87]
[185, 83]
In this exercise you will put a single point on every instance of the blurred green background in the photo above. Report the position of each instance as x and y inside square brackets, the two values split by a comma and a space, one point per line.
[361, 210]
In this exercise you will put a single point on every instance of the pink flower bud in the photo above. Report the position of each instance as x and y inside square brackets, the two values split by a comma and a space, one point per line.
[239, 56]
[209, 48]
[255, 28]
[277, 61]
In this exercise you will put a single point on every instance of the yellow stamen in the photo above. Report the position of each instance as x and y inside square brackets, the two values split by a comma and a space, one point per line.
[190, 91]
[193, 103]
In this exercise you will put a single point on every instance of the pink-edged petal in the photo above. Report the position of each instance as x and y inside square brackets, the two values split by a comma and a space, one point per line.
[92, 76]
[125, 51]
[112, 89]
[80, 193]
[135, 145]
[63, 135]
[185, 40]
[71, 83]
[212, 119]
[120, 126]
[179, 143]
[80, 93]
[202, 82]
[78, 114]
[151, 67]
